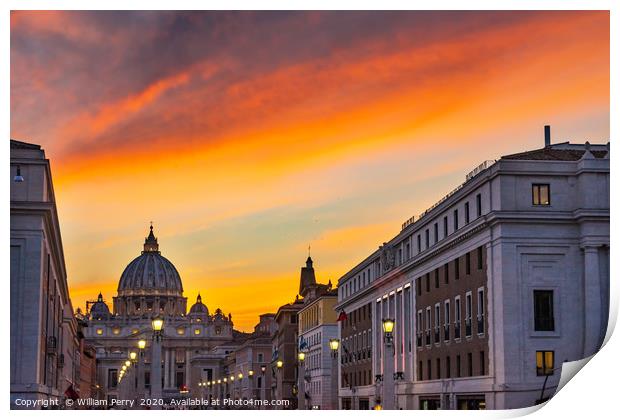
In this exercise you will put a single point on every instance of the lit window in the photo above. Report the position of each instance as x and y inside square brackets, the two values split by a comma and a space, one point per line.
[99, 331]
[181, 331]
[544, 363]
[540, 195]
[116, 331]
[197, 331]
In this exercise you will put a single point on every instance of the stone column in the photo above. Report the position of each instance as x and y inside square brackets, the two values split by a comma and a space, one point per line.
[593, 304]
[188, 369]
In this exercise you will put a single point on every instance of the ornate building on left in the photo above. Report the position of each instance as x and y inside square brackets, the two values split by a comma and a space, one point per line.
[50, 361]
[192, 344]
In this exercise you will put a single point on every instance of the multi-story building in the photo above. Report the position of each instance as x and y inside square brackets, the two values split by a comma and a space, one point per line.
[317, 326]
[491, 288]
[45, 354]
[253, 380]
[284, 357]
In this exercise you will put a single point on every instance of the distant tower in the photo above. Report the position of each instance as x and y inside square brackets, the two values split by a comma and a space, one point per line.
[307, 278]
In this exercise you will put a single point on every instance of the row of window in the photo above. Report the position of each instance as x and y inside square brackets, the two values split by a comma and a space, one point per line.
[431, 237]
[444, 369]
[357, 347]
[446, 324]
[357, 378]
[443, 274]
[541, 196]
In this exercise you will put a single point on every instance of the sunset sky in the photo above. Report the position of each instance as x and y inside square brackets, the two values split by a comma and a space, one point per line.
[245, 137]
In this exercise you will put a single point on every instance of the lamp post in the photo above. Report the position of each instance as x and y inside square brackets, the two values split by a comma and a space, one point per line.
[334, 345]
[301, 381]
[251, 384]
[156, 391]
[140, 367]
[279, 385]
[265, 384]
[388, 364]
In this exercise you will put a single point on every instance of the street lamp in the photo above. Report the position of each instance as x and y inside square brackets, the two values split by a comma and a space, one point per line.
[132, 356]
[263, 368]
[334, 345]
[142, 344]
[301, 356]
[388, 328]
[127, 363]
[158, 324]
[388, 364]
[240, 376]
[279, 364]
[250, 373]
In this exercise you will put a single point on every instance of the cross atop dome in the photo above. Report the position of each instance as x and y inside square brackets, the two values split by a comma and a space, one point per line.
[150, 242]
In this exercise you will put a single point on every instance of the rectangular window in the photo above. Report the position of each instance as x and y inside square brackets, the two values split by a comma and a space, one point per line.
[543, 310]
[419, 244]
[437, 322]
[456, 220]
[468, 263]
[457, 273]
[478, 205]
[468, 313]
[428, 369]
[436, 278]
[419, 286]
[438, 366]
[448, 368]
[408, 255]
[446, 273]
[470, 365]
[427, 238]
[428, 282]
[467, 212]
[544, 363]
[479, 258]
[457, 317]
[541, 195]
[480, 313]
[458, 365]
[446, 321]
[112, 378]
[482, 363]
[420, 371]
[445, 226]
[436, 232]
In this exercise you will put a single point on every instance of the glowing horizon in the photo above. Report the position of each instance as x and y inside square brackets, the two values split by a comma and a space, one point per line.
[247, 136]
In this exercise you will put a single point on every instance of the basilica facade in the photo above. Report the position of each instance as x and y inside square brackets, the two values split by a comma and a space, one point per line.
[193, 343]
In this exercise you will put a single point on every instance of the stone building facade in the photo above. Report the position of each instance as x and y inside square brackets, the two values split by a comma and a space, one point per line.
[45, 348]
[317, 325]
[493, 287]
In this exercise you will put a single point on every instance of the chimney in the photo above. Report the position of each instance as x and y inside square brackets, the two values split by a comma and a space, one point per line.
[547, 135]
